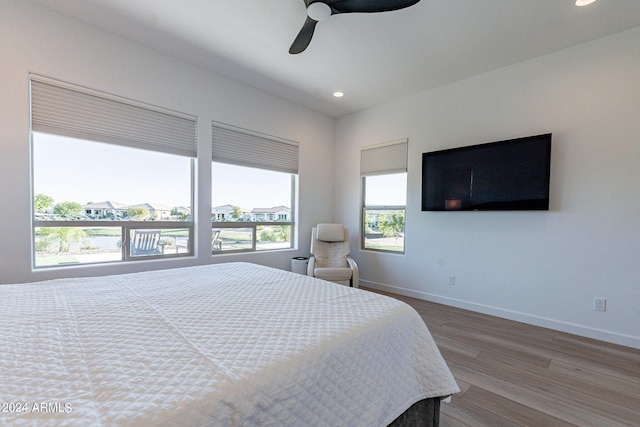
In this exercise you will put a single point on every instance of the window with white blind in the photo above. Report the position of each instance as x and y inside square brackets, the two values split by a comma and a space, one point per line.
[383, 168]
[112, 177]
[253, 190]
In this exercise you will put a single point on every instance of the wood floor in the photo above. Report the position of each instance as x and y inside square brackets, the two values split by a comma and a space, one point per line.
[513, 374]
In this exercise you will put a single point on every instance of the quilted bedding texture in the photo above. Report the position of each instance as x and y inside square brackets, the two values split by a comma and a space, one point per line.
[233, 344]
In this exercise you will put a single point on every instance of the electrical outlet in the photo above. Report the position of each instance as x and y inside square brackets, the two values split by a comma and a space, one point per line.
[600, 304]
[452, 280]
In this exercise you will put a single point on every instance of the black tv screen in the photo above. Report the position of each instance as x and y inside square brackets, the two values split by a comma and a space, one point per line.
[503, 175]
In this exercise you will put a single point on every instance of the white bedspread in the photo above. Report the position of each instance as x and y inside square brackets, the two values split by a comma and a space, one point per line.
[232, 344]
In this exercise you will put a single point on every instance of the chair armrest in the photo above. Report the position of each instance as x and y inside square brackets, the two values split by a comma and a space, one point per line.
[311, 266]
[355, 276]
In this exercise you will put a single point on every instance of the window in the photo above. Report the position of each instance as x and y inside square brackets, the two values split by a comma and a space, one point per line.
[253, 191]
[111, 178]
[384, 190]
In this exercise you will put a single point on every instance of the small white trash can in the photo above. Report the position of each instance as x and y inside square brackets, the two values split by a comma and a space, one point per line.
[299, 265]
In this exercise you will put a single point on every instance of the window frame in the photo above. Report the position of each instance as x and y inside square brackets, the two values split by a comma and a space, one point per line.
[68, 110]
[388, 158]
[236, 146]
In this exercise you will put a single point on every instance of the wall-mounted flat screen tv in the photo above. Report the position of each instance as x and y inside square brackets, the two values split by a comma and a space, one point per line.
[497, 176]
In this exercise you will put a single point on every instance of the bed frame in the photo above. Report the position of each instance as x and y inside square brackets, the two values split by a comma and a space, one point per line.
[424, 413]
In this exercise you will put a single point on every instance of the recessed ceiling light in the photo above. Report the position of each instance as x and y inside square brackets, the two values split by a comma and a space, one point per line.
[584, 2]
[338, 94]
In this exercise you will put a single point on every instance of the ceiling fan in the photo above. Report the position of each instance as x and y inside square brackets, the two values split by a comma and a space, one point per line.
[318, 10]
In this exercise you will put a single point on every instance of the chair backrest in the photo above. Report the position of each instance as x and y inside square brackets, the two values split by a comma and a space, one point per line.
[216, 243]
[330, 245]
[145, 242]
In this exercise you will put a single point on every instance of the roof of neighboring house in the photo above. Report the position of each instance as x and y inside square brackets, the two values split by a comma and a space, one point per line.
[275, 209]
[151, 207]
[222, 208]
[104, 205]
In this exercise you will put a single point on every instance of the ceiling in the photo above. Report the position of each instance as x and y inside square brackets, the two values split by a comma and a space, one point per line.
[372, 58]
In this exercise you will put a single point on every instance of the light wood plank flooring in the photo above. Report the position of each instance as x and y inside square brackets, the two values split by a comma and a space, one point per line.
[513, 374]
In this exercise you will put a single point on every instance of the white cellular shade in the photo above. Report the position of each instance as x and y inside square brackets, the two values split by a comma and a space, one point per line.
[67, 110]
[386, 158]
[244, 148]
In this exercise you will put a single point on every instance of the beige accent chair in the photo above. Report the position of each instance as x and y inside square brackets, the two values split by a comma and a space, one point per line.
[330, 255]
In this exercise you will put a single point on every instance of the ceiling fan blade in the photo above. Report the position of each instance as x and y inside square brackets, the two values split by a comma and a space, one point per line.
[304, 37]
[369, 6]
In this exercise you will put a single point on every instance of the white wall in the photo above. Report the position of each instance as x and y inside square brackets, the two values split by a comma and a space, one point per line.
[34, 39]
[543, 268]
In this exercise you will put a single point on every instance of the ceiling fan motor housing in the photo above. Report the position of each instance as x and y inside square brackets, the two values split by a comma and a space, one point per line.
[318, 11]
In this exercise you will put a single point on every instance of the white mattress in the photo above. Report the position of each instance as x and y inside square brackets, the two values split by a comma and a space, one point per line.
[232, 344]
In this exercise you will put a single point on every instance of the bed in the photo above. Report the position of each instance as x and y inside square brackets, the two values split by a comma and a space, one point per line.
[232, 344]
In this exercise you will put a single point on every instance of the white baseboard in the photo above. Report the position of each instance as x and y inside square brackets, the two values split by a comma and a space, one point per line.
[568, 327]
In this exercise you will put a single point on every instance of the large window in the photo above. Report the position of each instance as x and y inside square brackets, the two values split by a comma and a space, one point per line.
[111, 178]
[384, 192]
[253, 191]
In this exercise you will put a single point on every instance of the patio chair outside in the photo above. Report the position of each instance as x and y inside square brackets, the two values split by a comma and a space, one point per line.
[216, 243]
[146, 242]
